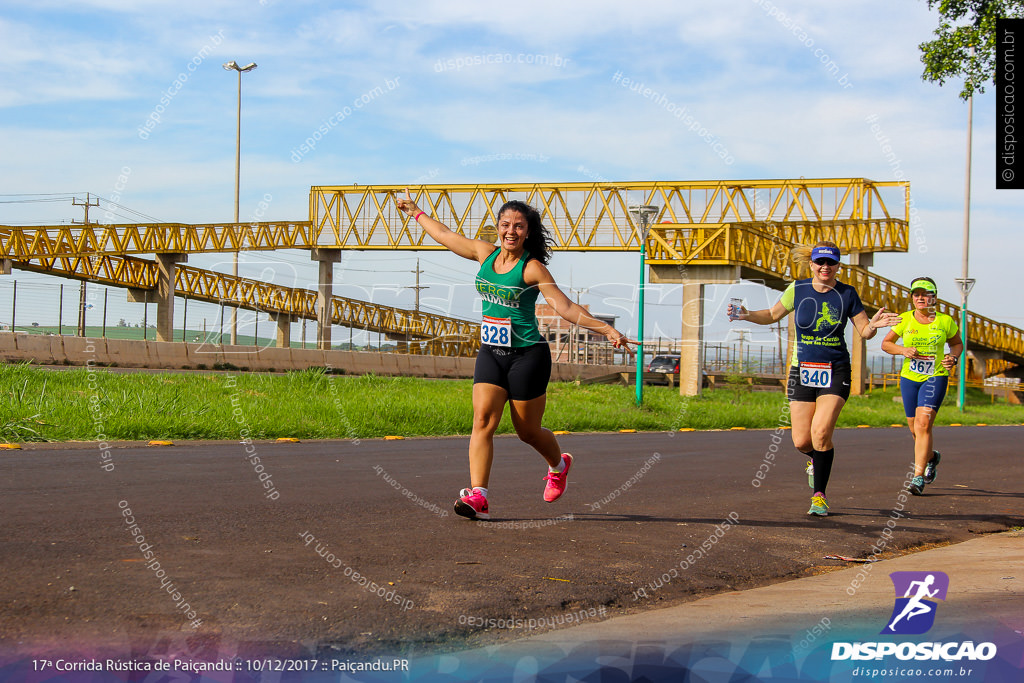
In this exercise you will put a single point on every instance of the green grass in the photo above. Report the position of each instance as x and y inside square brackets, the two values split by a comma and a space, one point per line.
[92, 404]
[211, 336]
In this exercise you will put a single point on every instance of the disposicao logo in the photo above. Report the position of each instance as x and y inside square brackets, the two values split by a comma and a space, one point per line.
[912, 614]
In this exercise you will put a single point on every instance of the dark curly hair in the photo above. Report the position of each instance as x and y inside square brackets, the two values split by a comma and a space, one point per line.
[538, 240]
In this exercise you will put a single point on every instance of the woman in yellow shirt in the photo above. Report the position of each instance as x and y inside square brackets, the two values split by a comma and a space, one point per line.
[924, 377]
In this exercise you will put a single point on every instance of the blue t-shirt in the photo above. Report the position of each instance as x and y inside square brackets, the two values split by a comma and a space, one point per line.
[821, 320]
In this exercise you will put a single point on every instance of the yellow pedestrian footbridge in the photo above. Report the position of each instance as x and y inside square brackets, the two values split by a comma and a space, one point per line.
[744, 228]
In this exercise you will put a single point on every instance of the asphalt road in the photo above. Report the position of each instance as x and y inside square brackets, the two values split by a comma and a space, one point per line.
[398, 572]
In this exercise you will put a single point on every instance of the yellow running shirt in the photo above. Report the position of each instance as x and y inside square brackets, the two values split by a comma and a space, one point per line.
[929, 340]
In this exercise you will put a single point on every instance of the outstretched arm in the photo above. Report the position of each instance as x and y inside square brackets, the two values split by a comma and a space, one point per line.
[868, 327]
[536, 274]
[474, 250]
[765, 316]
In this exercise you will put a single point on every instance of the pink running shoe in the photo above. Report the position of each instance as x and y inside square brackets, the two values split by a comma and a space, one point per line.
[557, 481]
[471, 505]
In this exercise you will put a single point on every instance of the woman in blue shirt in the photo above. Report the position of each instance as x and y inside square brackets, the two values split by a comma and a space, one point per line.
[819, 375]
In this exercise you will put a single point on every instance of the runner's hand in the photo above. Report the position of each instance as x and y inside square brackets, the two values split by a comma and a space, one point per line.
[884, 318]
[408, 205]
[734, 312]
[621, 341]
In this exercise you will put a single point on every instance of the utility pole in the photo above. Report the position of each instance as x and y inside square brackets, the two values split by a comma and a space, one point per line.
[85, 205]
[579, 333]
[81, 292]
[417, 287]
[778, 336]
[742, 332]
[575, 333]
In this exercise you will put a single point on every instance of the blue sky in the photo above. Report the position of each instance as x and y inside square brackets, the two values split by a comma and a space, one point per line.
[481, 92]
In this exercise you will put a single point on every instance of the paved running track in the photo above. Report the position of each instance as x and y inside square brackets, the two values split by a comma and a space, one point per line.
[398, 572]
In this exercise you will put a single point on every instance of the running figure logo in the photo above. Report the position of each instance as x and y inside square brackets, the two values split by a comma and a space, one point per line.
[828, 316]
[914, 613]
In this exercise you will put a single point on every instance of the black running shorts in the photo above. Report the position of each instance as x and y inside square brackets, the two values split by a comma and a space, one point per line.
[840, 385]
[523, 372]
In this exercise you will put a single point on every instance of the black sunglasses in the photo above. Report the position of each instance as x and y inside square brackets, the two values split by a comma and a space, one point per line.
[825, 262]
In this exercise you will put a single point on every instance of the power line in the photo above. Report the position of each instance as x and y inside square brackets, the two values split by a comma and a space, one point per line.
[37, 201]
[149, 218]
[38, 194]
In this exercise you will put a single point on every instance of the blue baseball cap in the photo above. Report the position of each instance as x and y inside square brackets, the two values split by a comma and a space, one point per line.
[825, 252]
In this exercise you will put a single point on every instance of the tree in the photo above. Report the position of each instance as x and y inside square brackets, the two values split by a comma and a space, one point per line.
[962, 24]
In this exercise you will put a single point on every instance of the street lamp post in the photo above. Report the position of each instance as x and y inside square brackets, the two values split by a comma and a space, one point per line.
[641, 214]
[965, 282]
[233, 66]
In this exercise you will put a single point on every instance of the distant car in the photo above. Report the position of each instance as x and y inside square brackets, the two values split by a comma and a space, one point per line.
[668, 363]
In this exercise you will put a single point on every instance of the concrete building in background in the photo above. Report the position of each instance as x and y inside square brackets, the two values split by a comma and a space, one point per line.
[572, 343]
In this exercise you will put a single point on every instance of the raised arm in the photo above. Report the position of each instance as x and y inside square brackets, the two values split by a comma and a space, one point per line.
[536, 274]
[474, 250]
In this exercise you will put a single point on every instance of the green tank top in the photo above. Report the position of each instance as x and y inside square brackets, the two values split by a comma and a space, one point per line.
[509, 308]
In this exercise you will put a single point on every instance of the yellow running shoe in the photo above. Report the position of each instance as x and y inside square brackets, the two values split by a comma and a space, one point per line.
[819, 506]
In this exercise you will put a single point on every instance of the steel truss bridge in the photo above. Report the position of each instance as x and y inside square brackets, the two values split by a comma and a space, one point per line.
[746, 225]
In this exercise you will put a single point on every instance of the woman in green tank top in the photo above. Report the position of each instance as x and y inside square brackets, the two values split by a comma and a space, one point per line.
[514, 363]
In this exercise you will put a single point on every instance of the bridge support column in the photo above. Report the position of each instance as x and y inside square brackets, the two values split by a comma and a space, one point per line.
[6, 265]
[403, 344]
[791, 338]
[324, 293]
[858, 346]
[693, 279]
[165, 265]
[1015, 371]
[284, 329]
[858, 364]
[977, 370]
[691, 358]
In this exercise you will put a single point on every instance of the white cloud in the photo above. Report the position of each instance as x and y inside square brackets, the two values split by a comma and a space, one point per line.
[83, 75]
